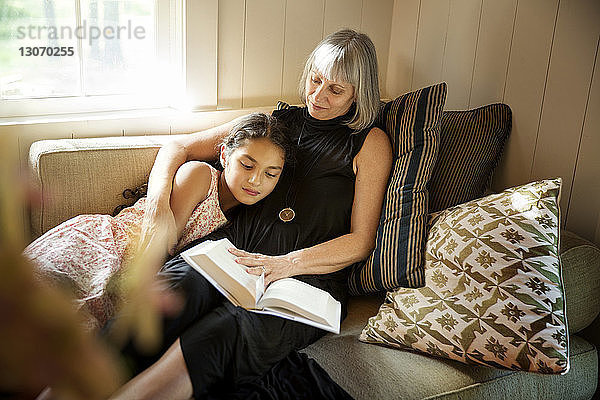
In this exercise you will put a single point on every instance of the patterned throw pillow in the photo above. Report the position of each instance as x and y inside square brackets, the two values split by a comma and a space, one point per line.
[493, 290]
[471, 143]
[413, 123]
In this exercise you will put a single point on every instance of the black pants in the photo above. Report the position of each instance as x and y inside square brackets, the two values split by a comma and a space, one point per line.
[223, 345]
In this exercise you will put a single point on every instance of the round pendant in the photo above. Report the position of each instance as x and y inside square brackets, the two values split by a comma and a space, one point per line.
[287, 214]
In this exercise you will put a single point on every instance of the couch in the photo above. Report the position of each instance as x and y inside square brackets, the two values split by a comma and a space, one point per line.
[78, 176]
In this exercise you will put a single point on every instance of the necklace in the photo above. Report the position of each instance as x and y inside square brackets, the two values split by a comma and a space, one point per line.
[287, 213]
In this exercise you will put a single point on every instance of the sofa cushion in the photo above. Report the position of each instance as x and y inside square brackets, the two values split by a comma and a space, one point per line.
[471, 144]
[413, 122]
[580, 262]
[370, 372]
[494, 294]
[87, 176]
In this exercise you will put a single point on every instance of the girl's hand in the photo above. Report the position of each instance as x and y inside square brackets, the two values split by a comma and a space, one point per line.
[142, 300]
[274, 267]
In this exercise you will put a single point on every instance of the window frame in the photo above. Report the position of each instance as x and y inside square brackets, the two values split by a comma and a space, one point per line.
[191, 63]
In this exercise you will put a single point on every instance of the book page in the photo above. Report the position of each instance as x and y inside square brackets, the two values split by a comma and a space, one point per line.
[286, 298]
[226, 261]
[194, 262]
[301, 298]
[218, 266]
[333, 327]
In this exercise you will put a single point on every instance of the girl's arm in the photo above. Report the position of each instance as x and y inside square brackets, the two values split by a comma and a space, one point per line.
[140, 296]
[196, 146]
[190, 187]
[160, 229]
[372, 165]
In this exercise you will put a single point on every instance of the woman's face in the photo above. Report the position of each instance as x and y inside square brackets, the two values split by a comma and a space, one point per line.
[252, 170]
[327, 99]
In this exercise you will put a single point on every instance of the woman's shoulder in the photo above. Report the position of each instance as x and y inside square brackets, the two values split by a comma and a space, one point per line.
[376, 133]
[370, 138]
[284, 110]
[376, 144]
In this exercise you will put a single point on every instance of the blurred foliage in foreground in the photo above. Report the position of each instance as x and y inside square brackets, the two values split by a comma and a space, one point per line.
[43, 339]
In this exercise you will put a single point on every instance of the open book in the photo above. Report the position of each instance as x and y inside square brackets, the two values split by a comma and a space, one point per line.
[287, 298]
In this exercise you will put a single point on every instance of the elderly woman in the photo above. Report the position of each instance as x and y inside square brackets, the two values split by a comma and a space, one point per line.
[321, 218]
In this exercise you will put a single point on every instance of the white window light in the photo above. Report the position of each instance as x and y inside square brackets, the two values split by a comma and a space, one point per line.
[89, 55]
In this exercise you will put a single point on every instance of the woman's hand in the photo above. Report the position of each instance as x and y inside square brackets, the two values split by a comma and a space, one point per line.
[274, 267]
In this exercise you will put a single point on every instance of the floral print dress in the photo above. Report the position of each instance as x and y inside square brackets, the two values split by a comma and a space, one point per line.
[84, 252]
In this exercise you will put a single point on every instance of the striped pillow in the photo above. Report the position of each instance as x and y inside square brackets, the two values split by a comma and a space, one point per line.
[471, 143]
[413, 123]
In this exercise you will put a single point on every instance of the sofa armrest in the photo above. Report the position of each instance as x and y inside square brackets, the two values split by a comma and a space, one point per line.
[581, 273]
[84, 176]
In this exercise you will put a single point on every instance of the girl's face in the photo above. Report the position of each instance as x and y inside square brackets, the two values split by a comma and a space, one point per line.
[252, 170]
[327, 99]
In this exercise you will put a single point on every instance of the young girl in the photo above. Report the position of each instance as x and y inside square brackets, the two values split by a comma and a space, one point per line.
[87, 250]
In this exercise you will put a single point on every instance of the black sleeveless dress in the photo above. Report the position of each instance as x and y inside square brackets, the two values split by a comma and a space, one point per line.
[319, 187]
[224, 345]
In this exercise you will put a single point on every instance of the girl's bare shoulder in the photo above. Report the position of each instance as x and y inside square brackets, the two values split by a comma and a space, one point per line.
[194, 177]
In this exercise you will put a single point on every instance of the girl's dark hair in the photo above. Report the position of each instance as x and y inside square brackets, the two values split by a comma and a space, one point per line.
[256, 126]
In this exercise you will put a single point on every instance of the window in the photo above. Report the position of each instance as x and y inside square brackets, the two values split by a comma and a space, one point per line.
[87, 55]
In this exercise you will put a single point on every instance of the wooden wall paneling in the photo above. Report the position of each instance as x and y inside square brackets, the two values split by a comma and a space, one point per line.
[9, 148]
[584, 206]
[377, 23]
[11, 165]
[459, 54]
[201, 52]
[567, 89]
[106, 128]
[263, 54]
[431, 41]
[222, 117]
[193, 122]
[405, 21]
[303, 31]
[342, 14]
[9, 139]
[154, 125]
[525, 83]
[230, 54]
[493, 51]
[597, 237]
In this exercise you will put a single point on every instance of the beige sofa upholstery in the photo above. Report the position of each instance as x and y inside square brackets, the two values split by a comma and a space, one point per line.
[81, 176]
[89, 175]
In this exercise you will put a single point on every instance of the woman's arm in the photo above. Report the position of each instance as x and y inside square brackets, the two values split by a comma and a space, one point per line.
[372, 164]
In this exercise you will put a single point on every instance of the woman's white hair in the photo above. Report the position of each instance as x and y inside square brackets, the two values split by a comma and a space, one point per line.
[348, 56]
